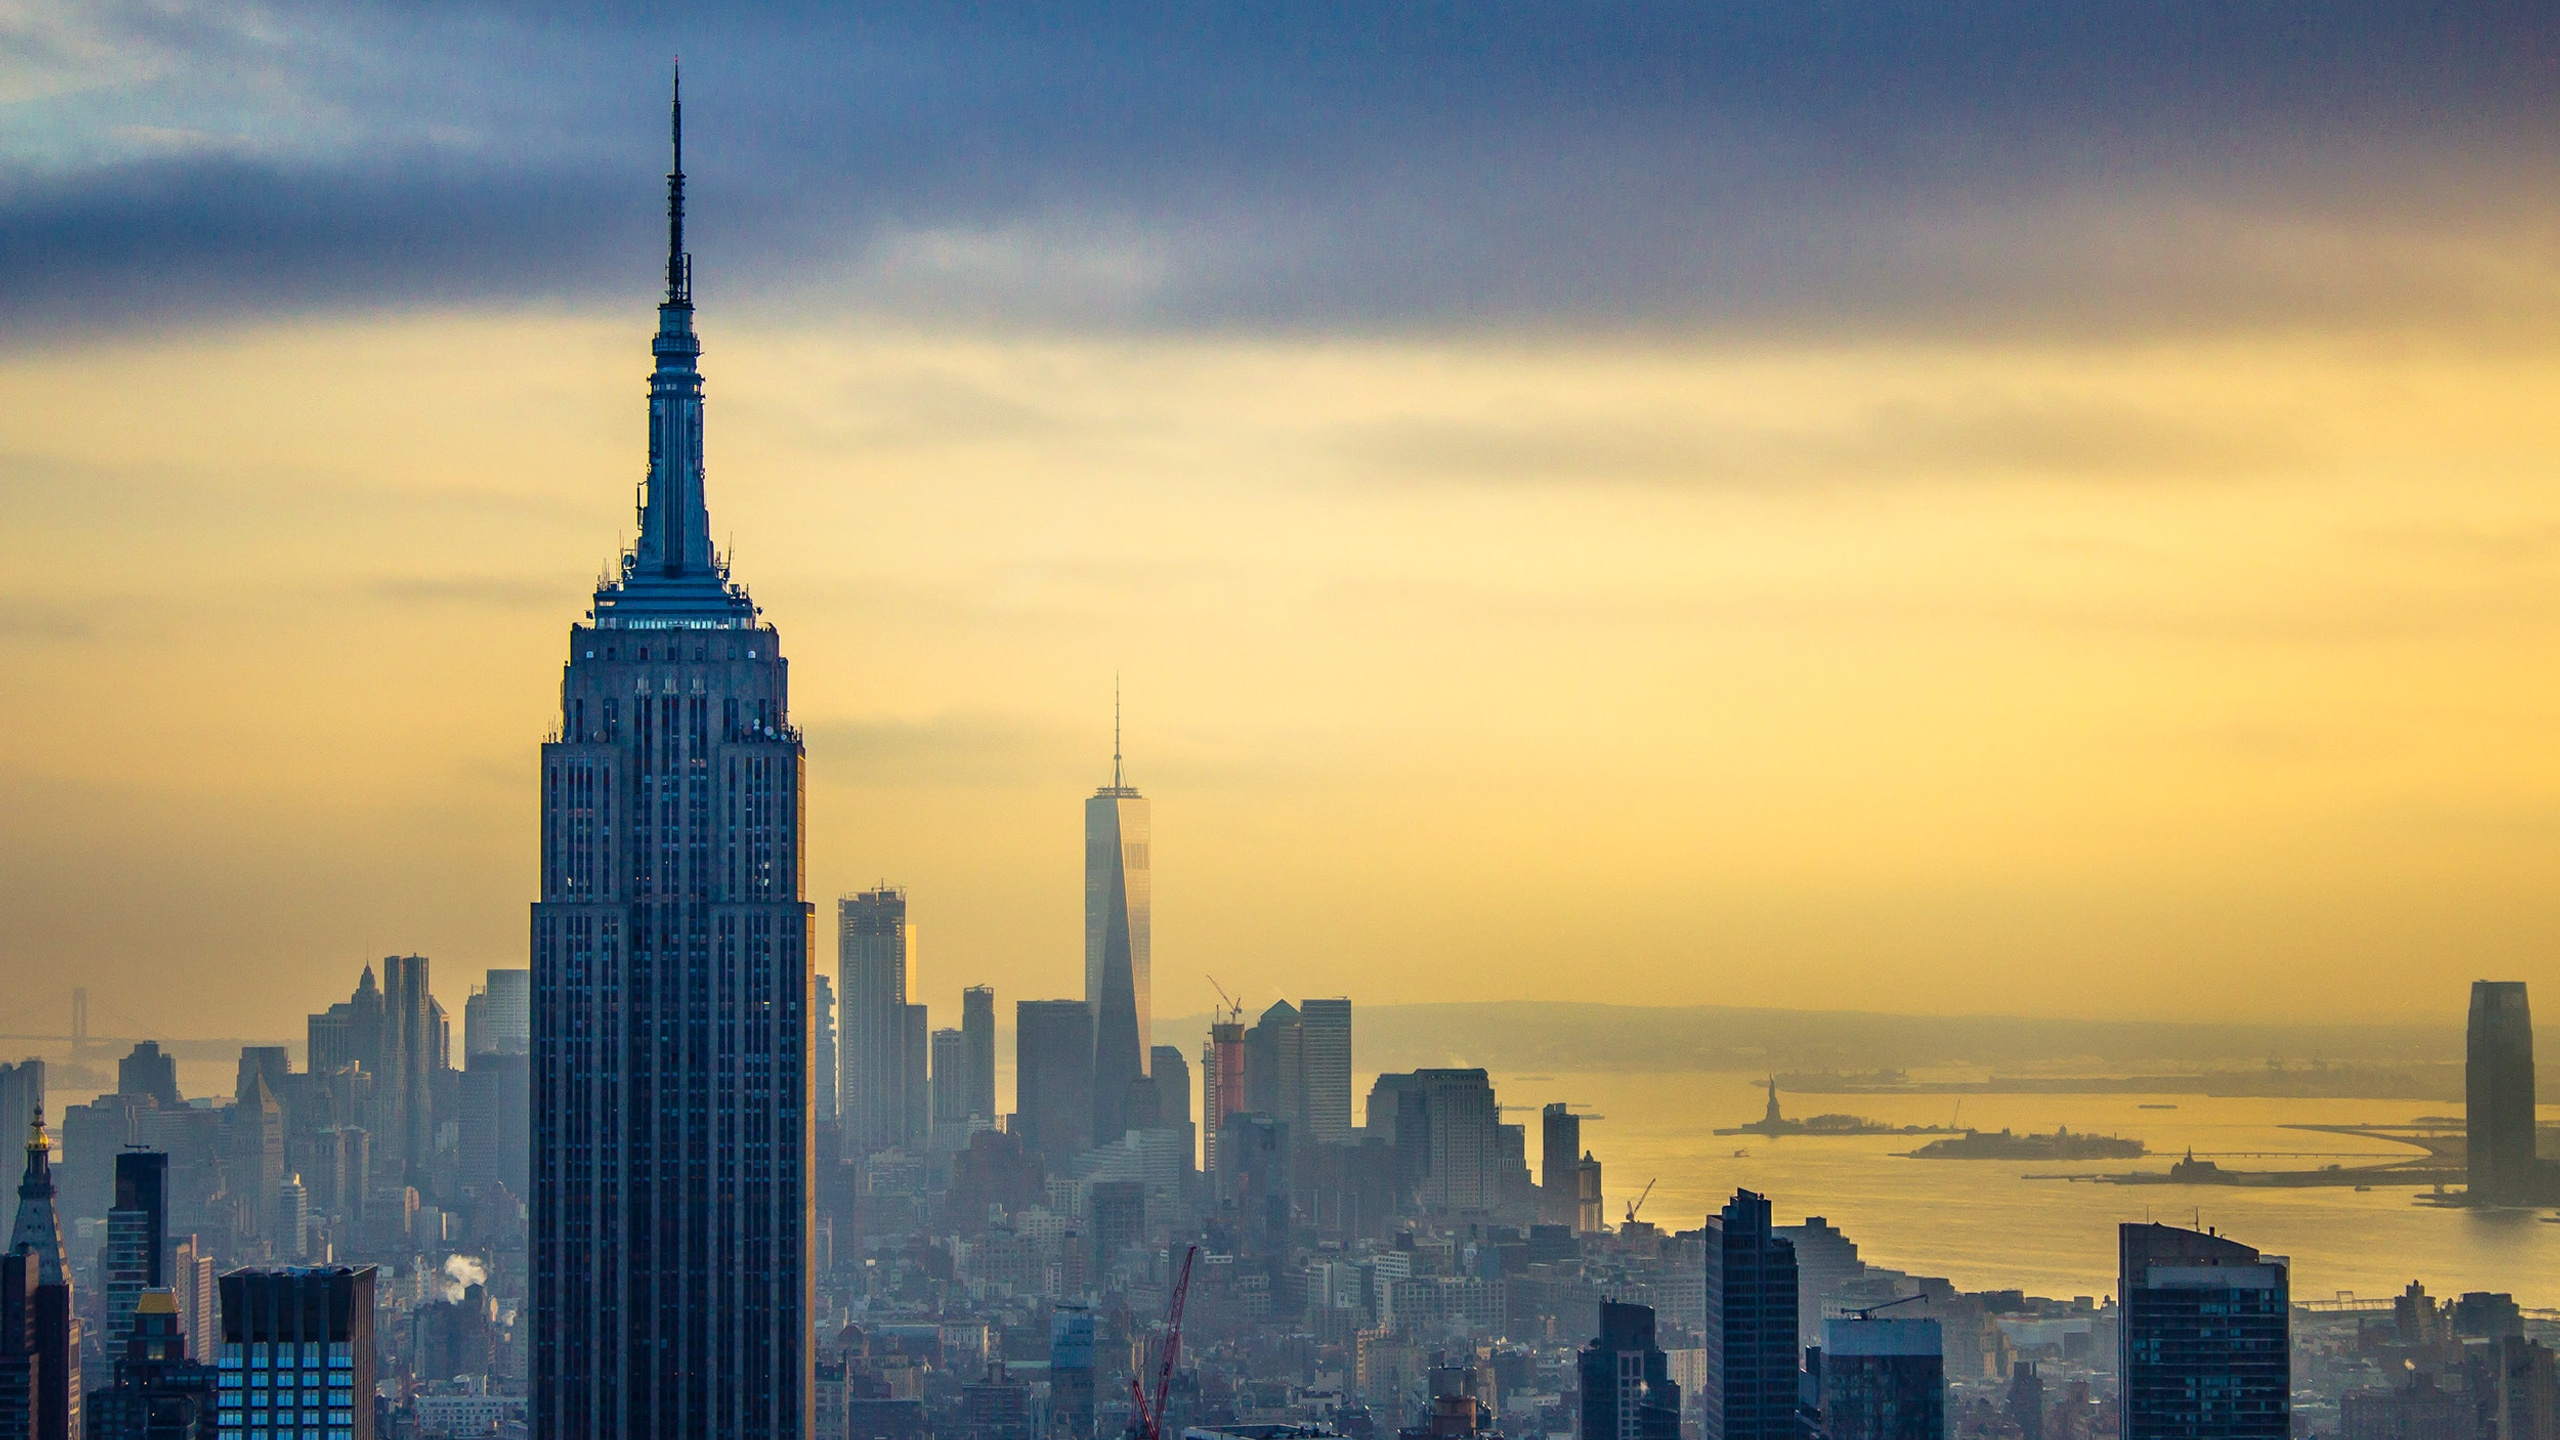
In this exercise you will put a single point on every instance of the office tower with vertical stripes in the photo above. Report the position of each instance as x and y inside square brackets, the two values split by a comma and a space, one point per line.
[671, 982]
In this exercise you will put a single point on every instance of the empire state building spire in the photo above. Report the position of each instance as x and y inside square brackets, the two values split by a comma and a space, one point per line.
[679, 264]
[672, 574]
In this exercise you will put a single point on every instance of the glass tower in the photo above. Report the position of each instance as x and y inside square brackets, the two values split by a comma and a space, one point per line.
[2498, 1094]
[671, 982]
[1752, 1360]
[2205, 1346]
[1116, 965]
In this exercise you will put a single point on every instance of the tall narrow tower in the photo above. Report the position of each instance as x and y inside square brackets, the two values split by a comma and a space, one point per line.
[1116, 983]
[671, 982]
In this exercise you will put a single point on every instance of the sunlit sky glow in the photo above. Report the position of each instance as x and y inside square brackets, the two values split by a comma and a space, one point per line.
[2029, 511]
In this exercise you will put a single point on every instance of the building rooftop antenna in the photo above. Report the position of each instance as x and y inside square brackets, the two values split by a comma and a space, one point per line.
[1116, 783]
[679, 277]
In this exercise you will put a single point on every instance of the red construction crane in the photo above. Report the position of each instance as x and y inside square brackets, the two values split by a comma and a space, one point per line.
[1147, 1420]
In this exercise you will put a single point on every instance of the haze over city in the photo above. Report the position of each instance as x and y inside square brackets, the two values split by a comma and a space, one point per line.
[1279, 723]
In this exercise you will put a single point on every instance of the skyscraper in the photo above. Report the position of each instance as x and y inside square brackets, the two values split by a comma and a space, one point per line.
[1275, 1065]
[1324, 1031]
[297, 1354]
[873, 941]
[1117, 985]
[404, 1088]
[149, 1071]
[915, 1050]
[1752, 1360]
[498, 1019]
[21, 1095]
[137, 1239]
[54, 1317]
[1222, 1087]
[1883, 1379]
[978, 1035]
[950, 1088]
[2204, 1345]
[1465, 1144]
[671, 983]
[1053, 1078]
[2498, 1094]
[1172, 1075]
[1627, 1390]
[1559, 1155]
[19, 1363]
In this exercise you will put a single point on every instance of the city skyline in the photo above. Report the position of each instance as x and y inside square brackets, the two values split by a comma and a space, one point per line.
[1977, 590]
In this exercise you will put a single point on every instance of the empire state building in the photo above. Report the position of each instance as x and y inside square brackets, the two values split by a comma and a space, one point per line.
[671, 981]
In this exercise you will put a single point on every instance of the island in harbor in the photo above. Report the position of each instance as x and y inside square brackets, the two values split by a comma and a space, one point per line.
[1774, 1124]
[2002, 1145]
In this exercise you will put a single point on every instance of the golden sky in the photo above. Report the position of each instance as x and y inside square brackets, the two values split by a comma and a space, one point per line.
[2172, 673]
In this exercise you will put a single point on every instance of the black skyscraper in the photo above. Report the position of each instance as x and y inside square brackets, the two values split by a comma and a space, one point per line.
[1752, 1360]
[671, 984]
[1627, 1393]
[2498, 1094]
[1884, 1379]
[2204, 1347]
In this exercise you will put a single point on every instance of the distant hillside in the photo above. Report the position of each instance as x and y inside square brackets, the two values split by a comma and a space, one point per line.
[1534, 1036]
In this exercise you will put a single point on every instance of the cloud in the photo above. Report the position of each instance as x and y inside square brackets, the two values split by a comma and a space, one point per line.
[1759, 166]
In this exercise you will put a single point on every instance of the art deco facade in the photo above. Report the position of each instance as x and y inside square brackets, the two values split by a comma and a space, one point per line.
[671, 983]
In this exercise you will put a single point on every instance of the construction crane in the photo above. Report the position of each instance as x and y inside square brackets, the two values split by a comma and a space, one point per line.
[1233, 1010]
[1146, 1422]
[1638, 1203]
[1868, 1312]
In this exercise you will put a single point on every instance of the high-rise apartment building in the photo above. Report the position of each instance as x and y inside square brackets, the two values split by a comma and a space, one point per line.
[873, 946]
[1752, 1359]
[137, 1239]
[53, 1314]
[296, 1361]
[671, 983]
[1053, 1078]
[1324, 1031]
[2498, 1094]
[1883, 1379]
[1117, 965]
[2203, 1340]
[1627, 1390]
[978, 1032]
